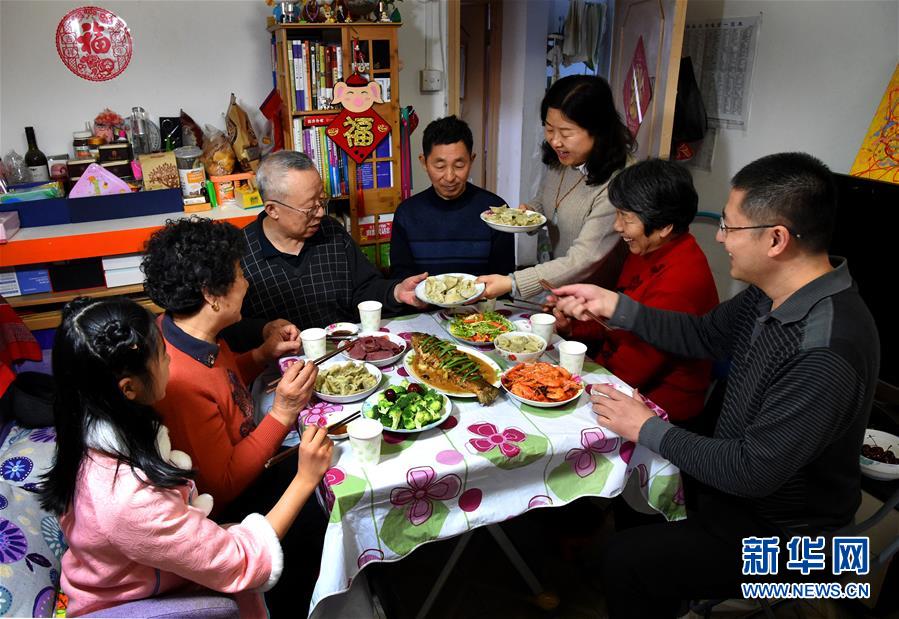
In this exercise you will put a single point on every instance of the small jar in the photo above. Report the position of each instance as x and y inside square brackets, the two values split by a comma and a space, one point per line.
[80, 144]
[94, 143]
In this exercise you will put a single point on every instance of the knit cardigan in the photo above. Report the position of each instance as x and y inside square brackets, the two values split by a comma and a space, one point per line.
[582, 236]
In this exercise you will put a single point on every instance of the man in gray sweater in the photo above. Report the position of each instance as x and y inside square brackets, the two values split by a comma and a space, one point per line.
[783, 458]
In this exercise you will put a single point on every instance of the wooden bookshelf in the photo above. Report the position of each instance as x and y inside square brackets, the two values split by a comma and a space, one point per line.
[378, 46]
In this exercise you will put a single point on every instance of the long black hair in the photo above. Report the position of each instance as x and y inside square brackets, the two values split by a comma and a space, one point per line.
[587, 101]
[98, 343]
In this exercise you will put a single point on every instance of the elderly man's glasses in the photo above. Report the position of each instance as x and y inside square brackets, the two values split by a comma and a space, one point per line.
[322, 203]
[725, 228]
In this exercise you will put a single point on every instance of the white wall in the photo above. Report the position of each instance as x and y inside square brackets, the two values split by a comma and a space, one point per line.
[187, 54]
[421, 19]
[820, 72]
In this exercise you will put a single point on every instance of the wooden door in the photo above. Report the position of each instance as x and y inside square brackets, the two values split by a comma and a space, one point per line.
[659, 26]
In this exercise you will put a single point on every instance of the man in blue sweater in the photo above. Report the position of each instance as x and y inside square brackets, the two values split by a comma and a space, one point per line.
[782, 462]
[440, 230]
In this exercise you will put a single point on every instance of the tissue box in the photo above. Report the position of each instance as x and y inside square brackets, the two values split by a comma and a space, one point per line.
[159, 171]
[9, 225]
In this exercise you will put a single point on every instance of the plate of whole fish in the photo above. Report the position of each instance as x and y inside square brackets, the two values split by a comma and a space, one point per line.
[449, 290]
[453, 370]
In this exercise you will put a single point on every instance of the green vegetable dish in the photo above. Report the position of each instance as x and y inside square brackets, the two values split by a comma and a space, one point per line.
[407, 406]
[480, 328]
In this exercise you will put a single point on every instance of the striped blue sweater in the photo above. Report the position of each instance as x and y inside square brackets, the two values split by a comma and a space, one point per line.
[786, 445]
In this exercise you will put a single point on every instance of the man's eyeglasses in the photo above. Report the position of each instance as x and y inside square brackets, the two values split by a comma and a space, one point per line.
[724, 228]
[322, 203]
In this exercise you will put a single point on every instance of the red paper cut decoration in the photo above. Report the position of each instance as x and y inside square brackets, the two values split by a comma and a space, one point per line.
[637, 90]
[357, 129]
[93, 43]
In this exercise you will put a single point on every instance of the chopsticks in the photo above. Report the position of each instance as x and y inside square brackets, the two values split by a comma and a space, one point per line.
[271, 386]
[549, 288]
[520, 307]
[284, 455]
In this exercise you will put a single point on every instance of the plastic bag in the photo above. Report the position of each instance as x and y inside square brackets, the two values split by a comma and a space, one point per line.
[191, 134]
[218, 156]
[242, 136]
[17, 173]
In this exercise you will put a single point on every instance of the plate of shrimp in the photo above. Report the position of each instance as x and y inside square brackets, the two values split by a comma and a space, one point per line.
[541, 384]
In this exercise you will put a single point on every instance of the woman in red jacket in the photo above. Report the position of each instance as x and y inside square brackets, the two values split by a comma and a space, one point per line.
[656, 202]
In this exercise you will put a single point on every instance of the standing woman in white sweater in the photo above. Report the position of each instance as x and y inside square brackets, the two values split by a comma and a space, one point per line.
[585, 145]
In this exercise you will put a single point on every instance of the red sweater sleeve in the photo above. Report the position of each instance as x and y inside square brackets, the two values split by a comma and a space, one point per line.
[224, 469]
[685, 285]
[248, 367]
[209, 414]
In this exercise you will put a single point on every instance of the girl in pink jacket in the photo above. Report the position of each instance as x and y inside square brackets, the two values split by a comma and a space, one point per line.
[133, 527]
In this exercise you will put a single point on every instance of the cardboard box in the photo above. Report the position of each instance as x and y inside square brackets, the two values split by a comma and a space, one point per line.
[124, 277]
[25, 280]
[125, 261]
[367, 228]
[159, 171]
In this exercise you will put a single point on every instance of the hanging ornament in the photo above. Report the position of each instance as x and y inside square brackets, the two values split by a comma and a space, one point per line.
[93, 43]
[357, 129]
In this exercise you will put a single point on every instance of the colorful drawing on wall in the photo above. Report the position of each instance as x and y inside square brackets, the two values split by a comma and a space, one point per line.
[878, 157]
[93, 43]
[358, 129]
[637, 89]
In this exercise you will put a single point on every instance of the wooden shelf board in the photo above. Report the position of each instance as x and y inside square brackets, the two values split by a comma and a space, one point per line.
[52, 318]
[315, 112]
[48, 298]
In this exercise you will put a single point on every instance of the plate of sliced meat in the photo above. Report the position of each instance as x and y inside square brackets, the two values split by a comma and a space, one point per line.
[379, 349]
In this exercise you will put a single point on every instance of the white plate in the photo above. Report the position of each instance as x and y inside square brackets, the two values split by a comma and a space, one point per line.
[420, 291]
[465, 342]
[537, 404]
[873, 468]
[382, 363]
[350, 328]
[514, 229]
[355, 397]
[447, 410]
[407, 363]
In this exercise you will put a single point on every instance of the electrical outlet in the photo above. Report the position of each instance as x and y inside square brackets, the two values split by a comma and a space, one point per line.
[431, 80]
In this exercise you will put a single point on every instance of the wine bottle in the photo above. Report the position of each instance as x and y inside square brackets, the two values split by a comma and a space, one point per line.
[35, 159]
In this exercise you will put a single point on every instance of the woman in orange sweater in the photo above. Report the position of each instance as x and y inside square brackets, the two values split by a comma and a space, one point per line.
[192, 269]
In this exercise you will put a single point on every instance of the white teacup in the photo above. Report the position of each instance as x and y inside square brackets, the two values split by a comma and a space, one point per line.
[314, 343]
[543, 325]
[365, 439]
[571, 356]
[370, 315]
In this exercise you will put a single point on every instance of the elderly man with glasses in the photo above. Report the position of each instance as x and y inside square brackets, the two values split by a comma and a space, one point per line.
[301, 264]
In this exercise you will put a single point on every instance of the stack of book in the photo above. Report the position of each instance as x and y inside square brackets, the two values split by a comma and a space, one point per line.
[332, 162]
[314, 69]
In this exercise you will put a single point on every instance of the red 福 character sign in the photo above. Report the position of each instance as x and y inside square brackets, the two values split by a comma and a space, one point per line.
[357, 129]
[93, 43]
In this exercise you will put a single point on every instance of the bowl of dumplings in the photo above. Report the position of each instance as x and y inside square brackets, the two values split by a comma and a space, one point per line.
[512, 220]
[519, 346]
[449, 290]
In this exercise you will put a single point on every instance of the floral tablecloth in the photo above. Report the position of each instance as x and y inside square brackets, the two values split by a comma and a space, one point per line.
[483, 465]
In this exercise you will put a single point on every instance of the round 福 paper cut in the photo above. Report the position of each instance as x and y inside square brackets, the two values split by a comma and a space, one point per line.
[93, 43]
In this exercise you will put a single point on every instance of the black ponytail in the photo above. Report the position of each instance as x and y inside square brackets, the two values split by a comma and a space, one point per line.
[98, 343]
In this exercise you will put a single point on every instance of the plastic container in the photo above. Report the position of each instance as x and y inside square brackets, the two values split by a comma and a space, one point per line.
[94, 143]
[191, 170]
[80, 144]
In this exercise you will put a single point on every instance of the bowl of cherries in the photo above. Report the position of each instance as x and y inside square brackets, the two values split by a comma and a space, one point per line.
[880, 455]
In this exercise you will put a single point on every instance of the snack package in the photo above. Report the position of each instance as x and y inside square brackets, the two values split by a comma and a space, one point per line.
[16, 172]
[242, 136]
[218, 156]
[191, 134]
